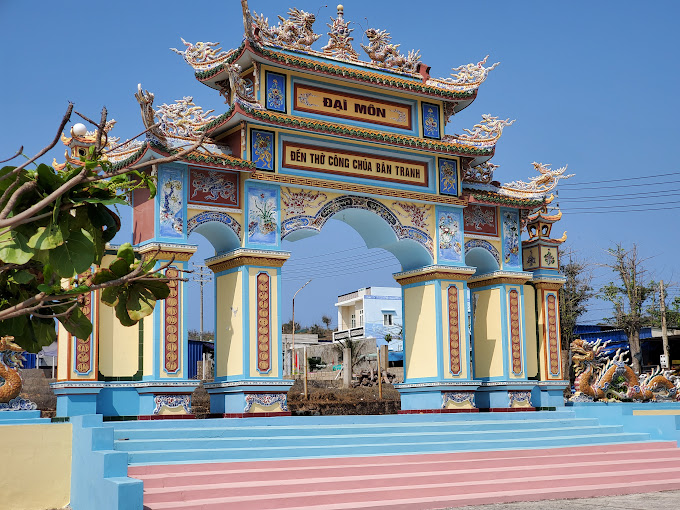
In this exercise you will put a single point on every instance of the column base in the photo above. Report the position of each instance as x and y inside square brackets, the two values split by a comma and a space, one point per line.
[438, 397]
[129, 399]
[549, 393]
[235, 399]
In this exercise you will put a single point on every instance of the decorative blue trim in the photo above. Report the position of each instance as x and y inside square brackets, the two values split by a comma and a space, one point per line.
[263, 149]
[449, 231]
[271, 340]
[524, 332]
[431, 120]
[505, 348]
[259, 227]
[245, 318]
[439, 339]
[279, 336]
[449, 182]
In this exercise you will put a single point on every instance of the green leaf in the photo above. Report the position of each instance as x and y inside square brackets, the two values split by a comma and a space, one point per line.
[122, 313]
[47, 238]
[76, 255]
[14, 248]
[76, 323]
[49, 289]
[160, 290]
[127, 253]
[22, 277]
[119, 267]
[103, 275]
[140, 302]
[48, 178]
[110, 295]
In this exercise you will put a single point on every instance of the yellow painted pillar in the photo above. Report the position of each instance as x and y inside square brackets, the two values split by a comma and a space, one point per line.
[248, 346]
[437, 372]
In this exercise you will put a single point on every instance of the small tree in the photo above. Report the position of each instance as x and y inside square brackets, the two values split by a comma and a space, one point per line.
[287, 327]
[356, 347]
[628, 295]
[54, 226]
[573, 297]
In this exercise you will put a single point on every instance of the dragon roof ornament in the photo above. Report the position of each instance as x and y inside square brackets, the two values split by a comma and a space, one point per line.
[481, 173]
[484, 134]
[340, 42]
[203, 55]
[543, 184]
[468, 76]
[384, 54]
[295, 32]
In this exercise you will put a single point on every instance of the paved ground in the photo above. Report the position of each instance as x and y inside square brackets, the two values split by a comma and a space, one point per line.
[669, 500]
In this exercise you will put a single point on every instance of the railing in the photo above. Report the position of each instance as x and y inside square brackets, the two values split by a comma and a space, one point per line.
[348, 333]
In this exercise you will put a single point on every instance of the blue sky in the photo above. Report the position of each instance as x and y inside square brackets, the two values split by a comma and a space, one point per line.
[591, 84]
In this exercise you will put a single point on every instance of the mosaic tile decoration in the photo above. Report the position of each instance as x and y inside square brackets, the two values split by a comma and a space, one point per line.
[83, 346]
[519, 398]
[170, 191]
[450, 235]
[480, 220]
[510, 222]
[266, 399]
[481, 243]
[553, 344]
[209, 216]
[515, 336]
[263, 324]
[171, 337]
[454, 331]
[458, 397]
[172, 401]
[262, 215]
[213, 187]
[338, 204]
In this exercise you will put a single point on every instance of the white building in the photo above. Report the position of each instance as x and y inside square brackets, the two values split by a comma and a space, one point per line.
[373, 312]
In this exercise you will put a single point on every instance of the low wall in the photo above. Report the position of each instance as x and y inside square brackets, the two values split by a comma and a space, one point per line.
[35, 472]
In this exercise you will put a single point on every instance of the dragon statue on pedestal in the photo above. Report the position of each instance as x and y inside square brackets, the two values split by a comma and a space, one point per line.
[611, 379]
[11, 360]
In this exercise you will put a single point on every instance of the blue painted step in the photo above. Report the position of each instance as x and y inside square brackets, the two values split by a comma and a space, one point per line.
[21, 418]
[220, 440]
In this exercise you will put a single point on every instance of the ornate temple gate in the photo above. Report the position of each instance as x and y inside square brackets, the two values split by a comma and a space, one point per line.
[308, 136]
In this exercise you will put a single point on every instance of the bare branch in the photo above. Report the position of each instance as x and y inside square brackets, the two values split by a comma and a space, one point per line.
[57, 315]
[18, 153]
[129, 140]
[64, 120]
[100, 128]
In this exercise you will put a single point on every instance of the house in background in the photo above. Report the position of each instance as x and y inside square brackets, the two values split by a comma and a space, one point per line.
[373, 312]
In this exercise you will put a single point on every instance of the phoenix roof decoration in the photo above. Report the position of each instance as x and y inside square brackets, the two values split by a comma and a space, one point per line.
[484, 134]
[543, 184]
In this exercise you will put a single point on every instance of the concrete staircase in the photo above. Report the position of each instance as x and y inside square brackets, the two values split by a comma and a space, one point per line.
[397, 461]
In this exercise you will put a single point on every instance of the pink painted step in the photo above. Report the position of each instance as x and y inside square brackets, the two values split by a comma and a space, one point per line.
[414, 481]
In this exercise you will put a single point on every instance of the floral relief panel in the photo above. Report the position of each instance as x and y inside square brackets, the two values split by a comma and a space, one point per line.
[170, 193]
[430, 120]
[263, 215]
[262, 150]
[448, 177]
[510, 239]
[450, 235]
[480, 220]
[276, 92]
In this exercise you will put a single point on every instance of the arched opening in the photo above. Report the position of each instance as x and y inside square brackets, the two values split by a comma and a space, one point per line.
[484, 258]
[220, 229]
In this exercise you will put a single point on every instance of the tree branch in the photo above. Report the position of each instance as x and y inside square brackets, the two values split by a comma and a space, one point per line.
[45, 201]
[64, 120]
[18, 153]
[27, 186]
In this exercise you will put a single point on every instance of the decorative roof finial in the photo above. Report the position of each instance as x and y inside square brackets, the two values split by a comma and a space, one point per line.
[340, 43]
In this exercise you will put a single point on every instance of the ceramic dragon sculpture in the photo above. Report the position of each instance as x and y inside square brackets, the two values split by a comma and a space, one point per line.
[601, 378]
[384, 54]
[11, 360]
[296, 32]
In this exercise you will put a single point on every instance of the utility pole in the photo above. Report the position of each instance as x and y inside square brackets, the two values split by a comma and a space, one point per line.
[664, 332]
[293, 336]
[202, 275]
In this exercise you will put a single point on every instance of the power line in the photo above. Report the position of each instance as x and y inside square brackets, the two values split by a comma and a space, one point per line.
[620, 180]
[632, 195]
